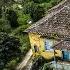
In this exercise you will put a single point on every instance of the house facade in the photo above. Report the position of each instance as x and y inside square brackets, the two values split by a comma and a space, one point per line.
[43, 46]
[50, 31]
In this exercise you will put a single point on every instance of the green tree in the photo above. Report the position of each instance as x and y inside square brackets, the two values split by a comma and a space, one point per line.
[41, 1]
[12, 18]
[4, 26]
[23, 18]
[9, 48]
[36, 12]
[4, 4]
[25, 1]
[0, 12]
[55, 2]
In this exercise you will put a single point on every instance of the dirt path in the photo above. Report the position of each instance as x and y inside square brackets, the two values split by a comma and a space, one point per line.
[25, 61]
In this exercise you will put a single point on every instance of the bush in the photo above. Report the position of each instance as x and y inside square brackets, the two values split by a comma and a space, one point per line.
[22, 18]
[12, 18]
[4, 26]
[36, 12]
[47, 67]
[38, 63]
[26, 1]
[55, 2]
[46, 5]
[11, 65]
[0, 12]
[19, 31]
[41, 1]
[25, 44]
[9, 49]
[23, 37]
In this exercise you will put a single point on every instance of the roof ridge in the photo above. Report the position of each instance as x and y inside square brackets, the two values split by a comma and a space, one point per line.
[55, 7]
[44, 19]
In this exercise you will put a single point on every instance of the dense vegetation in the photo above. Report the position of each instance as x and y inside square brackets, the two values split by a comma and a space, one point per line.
[14, 19]
[39, 63]
[9, 48]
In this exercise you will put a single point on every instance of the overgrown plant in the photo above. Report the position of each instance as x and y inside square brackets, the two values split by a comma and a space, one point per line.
[9, 49]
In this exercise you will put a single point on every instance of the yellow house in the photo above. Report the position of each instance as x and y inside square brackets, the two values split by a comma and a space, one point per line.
[50, 30]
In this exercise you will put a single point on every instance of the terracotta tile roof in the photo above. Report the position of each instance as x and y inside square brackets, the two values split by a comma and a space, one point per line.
[56, 22]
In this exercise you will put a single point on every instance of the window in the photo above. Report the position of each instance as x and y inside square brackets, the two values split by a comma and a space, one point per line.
[49, 44]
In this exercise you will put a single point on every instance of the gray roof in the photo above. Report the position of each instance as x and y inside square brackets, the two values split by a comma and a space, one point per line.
[63, 45]
[56, 22]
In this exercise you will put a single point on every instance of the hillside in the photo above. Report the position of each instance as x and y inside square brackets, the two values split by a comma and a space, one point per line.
[15, 17]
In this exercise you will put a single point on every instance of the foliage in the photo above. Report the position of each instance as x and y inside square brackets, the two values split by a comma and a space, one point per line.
[4, 5]
[12, 64]
[26, 1]
[12, 17]
[47, 67]
[36, 12]
[0, 12]
[55, 2]
[25, 43]
[23, 18]
[9, 48]
[19, 30]
[4, 26]
[6, 2]
[38, 63]
[24, 39]
[37, 8]
[41, 1]
[50, 4]
[46, 6]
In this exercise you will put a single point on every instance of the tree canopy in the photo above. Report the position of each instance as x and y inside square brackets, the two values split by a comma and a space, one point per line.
[36, 11]
[41, 1]
[4, 26]
[12, 18]
[9, 48]
[6, 2]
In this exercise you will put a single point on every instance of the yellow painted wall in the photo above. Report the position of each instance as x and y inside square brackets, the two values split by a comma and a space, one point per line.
[50, 54]
[39, 41]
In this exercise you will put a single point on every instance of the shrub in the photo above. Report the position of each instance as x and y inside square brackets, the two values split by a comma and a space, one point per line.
[11, 65]
[47, 67]
[4, 26]
[38, 63]
[12, 18]
[0, 12]
[46, 5]
[22, 18]
[36, 12]
[23, 37]
[41, 1]
[9, 49]
[55, 2]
